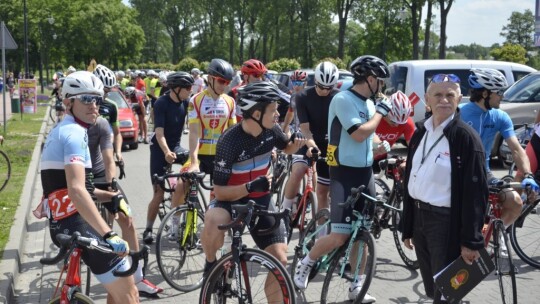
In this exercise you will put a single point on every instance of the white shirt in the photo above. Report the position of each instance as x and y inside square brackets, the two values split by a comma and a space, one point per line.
[430, 179]
[198, 85]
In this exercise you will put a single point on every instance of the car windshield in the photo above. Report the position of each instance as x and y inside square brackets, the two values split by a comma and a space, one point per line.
[526, 89]
[118, 99]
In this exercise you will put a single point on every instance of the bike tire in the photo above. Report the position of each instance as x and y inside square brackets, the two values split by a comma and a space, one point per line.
[504, 267]
[5, 170]
[300, 219]
[307, 240]
[77, 298]
[180, 265]
[407, 255]
[258, 264]
[336, 287]
[525, 238]
[52, 113]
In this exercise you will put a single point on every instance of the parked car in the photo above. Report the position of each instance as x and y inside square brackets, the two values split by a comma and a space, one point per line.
[129, 125]
[284, 77]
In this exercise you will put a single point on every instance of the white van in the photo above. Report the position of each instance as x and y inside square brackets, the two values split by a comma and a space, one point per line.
[412, 77]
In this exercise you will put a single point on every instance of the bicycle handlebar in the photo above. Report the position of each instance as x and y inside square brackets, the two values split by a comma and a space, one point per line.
[68, 242]
[355, 195]
[191, 176]
[246, 211]
[501, 184]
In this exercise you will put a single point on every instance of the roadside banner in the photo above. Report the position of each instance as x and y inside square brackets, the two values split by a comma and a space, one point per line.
[28, 95]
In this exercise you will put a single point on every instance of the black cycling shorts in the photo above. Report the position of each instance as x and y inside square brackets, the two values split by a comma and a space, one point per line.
[342, 179]
[206, 164]
[99, 262]
[279, 235]
[136, 108]
[323, 173]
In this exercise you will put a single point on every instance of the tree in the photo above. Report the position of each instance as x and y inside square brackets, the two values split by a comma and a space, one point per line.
[444, 15]
[427, 30]
[520, 29]
[510, 52]
[415, 6]
[343, 7]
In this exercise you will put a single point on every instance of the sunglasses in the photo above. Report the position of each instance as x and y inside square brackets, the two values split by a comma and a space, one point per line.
[298, 83]
[222, 81]
[445, 78]
[498, 92]
[88, 99]
[324, 88]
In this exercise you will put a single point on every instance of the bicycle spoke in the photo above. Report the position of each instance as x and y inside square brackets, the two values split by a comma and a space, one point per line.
[504, 267]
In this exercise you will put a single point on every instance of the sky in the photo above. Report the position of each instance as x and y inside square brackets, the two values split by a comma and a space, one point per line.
[481, 21]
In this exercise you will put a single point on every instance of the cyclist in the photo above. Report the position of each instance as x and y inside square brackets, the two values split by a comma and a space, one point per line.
[199, 82]
[70, 70]
[59, 107]
[240, 174]
[169, 116]
[65, 176]
[136, 99]
[252, 71]
[353, 118]
[484, 115]
[122, 79]
[299, 80]
[398, 123]
[104, 170]
[210, 113]
[312, 106]
[109, 109]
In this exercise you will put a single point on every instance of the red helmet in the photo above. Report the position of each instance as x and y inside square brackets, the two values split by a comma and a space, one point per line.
[253, 67]
[299, 75]
[401, 108]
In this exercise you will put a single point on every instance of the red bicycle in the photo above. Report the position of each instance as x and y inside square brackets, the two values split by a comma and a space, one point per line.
[70, 251]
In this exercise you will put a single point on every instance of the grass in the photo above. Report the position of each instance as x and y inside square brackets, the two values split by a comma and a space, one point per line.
[19, 142]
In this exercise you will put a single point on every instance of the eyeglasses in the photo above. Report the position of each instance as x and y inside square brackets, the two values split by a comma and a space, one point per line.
[445, 78]
[222, 81]
[298, 83]
[88, 99]
[324, 88]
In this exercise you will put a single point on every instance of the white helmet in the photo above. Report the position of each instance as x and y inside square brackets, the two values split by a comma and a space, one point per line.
[401, 108]
[71, 69]
[82, 82]
[105, 75]
[326, 74]
[489, 79]
[163, 76]
[195, 71]
[120, 74]
[151, 73]
[129, 91]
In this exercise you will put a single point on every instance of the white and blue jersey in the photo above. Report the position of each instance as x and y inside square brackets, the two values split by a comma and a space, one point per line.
[348, 110]
[487, 124]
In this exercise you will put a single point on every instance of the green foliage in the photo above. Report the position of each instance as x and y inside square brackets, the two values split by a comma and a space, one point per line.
[187, 64]
[203, 66]
[472, 51]
[520, 29]
[510, 52]
[283, 64]
[337, 61]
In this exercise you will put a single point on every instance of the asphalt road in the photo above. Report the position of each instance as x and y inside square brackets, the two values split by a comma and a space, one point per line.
[393, 282]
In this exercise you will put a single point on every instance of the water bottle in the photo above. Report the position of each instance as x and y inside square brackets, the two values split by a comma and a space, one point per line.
[227, 242]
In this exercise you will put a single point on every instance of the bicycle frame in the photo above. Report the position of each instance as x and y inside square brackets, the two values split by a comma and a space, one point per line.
[300, 216]
[192, 217]
[72, 283]
[493, 214]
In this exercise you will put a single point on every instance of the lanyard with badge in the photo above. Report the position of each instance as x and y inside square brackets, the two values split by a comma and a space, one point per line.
[424, 155]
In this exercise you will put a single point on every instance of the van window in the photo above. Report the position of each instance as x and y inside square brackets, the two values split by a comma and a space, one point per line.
[397, 80]
[519, 74]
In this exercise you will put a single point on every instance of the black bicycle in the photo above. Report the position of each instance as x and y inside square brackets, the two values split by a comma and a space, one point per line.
[5, 167]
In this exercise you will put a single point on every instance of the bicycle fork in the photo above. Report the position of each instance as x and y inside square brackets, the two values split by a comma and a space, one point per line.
[361, 241]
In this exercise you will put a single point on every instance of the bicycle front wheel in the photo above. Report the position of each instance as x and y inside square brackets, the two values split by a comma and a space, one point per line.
[525, 237]
[256, 267]
[407, 255]
[179, 252]
[504, 267]
[340, 284]
[78, 298]
[5, 170]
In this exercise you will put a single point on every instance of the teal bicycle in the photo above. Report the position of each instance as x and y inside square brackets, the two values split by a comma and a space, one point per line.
[340, 266]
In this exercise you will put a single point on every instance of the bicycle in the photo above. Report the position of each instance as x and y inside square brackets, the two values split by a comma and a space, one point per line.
[388, 218]
[57, 112]
[524, 234]
[178, 250]
[70, 251]
[5, 167]
[494, 232]
[241, 274]
[281, 167]
[168, 185]
[523, 135]
[339, 271]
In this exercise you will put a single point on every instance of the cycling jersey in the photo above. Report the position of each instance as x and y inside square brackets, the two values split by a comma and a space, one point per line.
[391, 134]
[140, 85]
[198, 85]
[213, 117]
[124, 83]
[241, 158]
[347, 111]
[137, 101]
[170, 116]
[487, 124]
[109, 110]
[99, 138]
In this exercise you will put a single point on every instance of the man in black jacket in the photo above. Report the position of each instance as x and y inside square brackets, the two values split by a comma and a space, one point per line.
[446, 194]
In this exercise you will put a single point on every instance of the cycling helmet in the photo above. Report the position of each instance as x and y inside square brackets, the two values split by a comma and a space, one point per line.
[58, 75]
[368, 65]
[401, 108]
[195, 71]
[489, 79]
[133, 75]
[221, 68]
[257, 95]
[81, 82]
[120, 74]
[71, 69]
[129, 91]
[105, 75]
[326, 74]
[180, 79]
[151, 73]
[142, 73]
[162, 76]
[299, 75]
[253, 67]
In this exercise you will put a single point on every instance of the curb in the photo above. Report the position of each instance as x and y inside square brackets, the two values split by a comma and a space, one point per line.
[11, 260]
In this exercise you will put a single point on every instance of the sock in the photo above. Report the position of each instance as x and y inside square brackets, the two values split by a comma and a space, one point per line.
[149, 225]
[287, 203]
[138, 275]
[308, 261]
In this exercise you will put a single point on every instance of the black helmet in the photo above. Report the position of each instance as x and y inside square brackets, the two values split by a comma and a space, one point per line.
[257, 95]
[221, 68]
[180, 79]
[368, 65]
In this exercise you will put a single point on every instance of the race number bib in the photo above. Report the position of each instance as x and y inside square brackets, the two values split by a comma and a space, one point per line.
[331, 158]
[60, 205]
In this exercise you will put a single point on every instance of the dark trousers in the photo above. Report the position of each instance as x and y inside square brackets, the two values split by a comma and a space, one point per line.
[430, 238]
